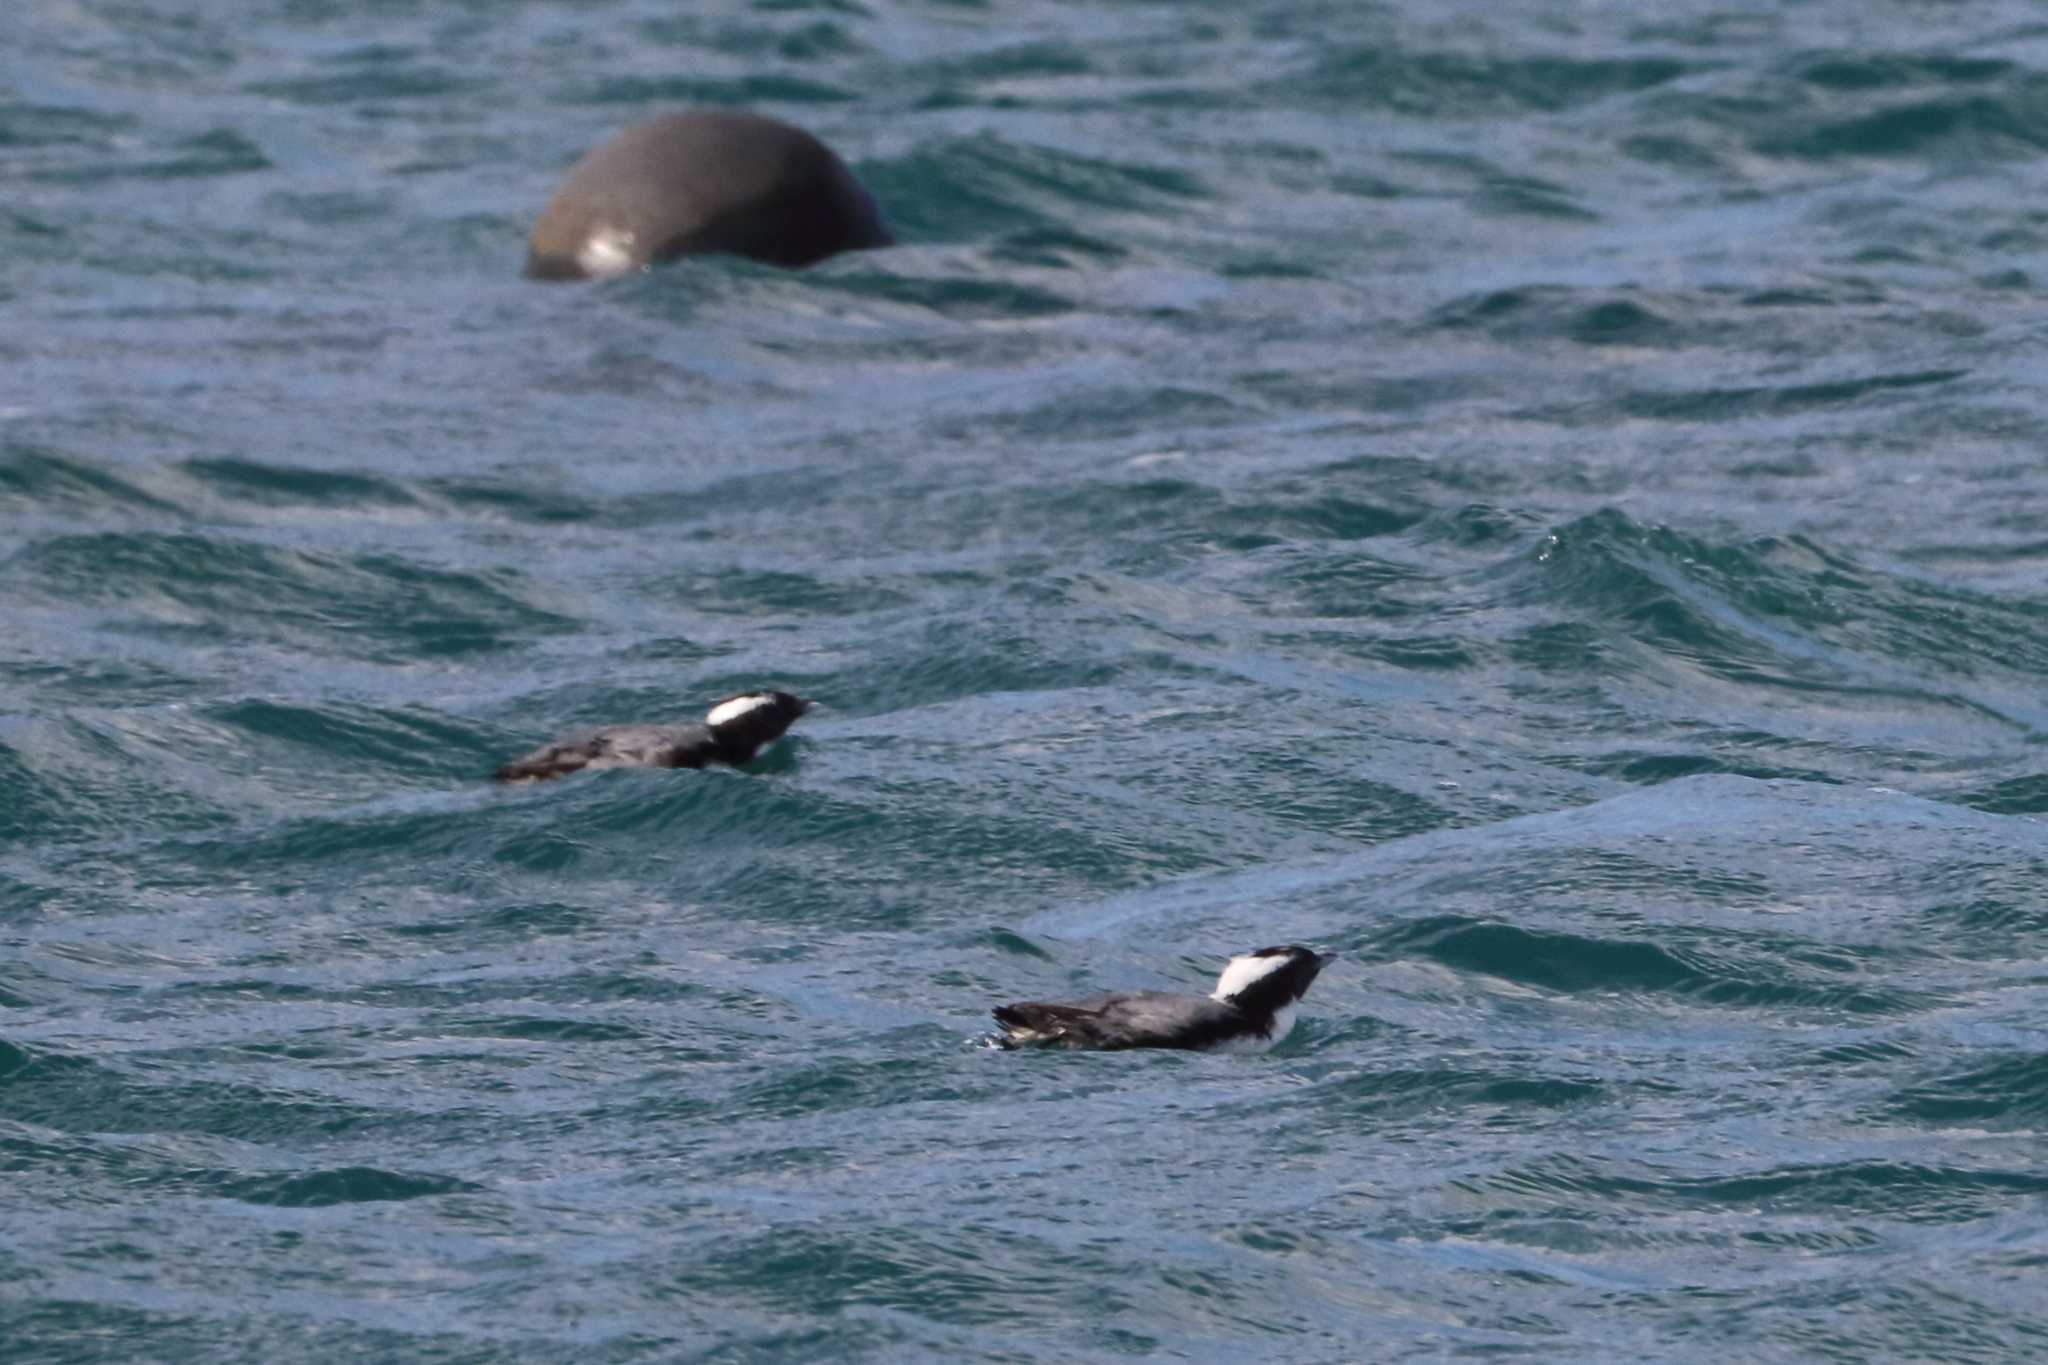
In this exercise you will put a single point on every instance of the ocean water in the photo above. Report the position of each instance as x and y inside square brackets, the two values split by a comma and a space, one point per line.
[1550, 502]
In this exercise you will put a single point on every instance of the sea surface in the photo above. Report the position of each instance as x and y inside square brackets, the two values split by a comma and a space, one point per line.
[1547, 501]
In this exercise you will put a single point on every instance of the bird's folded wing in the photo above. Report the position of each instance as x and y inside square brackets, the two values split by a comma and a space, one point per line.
[562, 757]
[1137, 1019]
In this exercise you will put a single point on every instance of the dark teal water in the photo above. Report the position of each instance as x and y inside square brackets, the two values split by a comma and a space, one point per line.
[1547, 501]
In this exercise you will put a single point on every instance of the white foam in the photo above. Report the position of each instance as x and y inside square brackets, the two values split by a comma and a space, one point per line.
[1243, 971]
[1029, 1037]
[733, 709]
[607, 251]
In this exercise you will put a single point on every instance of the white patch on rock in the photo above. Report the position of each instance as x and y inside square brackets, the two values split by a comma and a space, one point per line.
[606, 252]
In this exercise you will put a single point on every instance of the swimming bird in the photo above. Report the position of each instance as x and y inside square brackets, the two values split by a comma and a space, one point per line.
[1251, 1009]
[732, 733]
[698, 182]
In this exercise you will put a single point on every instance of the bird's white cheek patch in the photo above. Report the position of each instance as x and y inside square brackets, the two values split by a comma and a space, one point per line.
[1243, 971]
[727, 711]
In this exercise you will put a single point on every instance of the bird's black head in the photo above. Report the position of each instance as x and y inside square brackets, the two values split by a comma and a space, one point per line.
[1268, 979]
[742, 723]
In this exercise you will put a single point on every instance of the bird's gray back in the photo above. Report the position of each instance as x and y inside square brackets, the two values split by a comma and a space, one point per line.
[1167, 1014]
[614, 746]
[646, 744]
[1121, 1019]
